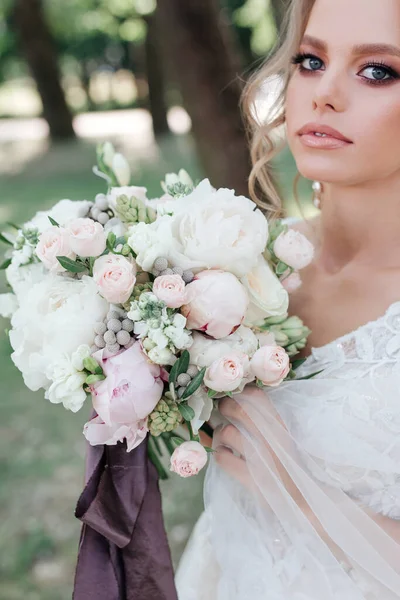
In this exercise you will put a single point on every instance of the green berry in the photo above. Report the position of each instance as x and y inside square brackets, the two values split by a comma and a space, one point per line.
[165, 417]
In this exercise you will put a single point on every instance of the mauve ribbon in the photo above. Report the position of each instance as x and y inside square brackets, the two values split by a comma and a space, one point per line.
[123, 550]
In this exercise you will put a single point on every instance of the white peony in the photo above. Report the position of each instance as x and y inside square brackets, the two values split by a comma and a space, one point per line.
[208, 229]
[68, 379]
[8, 305]
[62, 212]
[55, 316]
[268, 297]
[204, 350]
[21, 279]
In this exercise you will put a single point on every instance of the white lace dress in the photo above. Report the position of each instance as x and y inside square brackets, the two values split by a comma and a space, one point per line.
[340, 444]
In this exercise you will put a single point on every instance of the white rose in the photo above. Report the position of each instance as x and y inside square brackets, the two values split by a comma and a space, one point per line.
[268, 297]
[67, 380]
[55, 316]
[8, 305]
[62, 212]
[226, 373]
[54, 242]
[294, 249]
[126, 190]
[208, 229]
[202, 405]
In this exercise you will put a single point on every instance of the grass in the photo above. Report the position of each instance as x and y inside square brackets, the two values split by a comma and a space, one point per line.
[41, 445]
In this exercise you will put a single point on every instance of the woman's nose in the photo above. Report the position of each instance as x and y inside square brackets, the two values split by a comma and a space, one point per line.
[330, 93]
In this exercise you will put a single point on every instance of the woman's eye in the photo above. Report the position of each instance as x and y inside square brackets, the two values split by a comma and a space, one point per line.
[377, 73]
[312, 63]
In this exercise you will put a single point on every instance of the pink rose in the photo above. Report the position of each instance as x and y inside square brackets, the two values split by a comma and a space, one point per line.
[115, 277]
[270, 364]
[188, 459]
[294, 249]
[226, 374]
[171, 289]
[132, 387]
[88, 238]
[55, 241]
[217, 303]
[98, 433]
[292, 282]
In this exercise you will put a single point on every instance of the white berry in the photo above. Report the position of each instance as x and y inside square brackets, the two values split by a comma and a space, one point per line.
[167, 272]
[109, 337]
[113, 348]
[127, 325]
[177, 271]
[103, 218]
[123, 337]
[183, 379]
[94, 213]
[101, 202]
[114, 325]
[100, 328]
[192, 370]
[187, 276]
[112, 314]
[161, 264]
[181, 391]
[99, 341]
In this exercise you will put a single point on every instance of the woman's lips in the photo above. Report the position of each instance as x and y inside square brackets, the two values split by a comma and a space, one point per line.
[322, 137]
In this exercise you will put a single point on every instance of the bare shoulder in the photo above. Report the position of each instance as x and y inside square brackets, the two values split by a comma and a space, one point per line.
[308, 227]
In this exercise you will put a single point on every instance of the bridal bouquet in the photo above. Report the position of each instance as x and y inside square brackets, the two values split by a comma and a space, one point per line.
[151, 308]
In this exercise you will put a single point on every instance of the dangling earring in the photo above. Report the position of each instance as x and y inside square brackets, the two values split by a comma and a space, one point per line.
[317, 193]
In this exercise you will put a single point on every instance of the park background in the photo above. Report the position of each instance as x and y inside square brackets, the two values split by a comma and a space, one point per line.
[161, 79]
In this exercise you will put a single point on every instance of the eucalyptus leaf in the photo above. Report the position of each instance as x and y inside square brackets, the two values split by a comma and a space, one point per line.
[5, 240]
[186, 411]
[297, 363]
[183, 362]
[53, 221]
[194, 384]
[208, 450]
[309, 376]
[13, 225]
[177, 441]
[211, 393]
[5, 264]
[71, 265]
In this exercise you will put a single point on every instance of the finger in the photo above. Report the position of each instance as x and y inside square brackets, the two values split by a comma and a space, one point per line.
[230, 437]
[234, 466]
[232, 411]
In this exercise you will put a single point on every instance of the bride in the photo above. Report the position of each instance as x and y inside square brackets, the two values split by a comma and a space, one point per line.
[303, 495]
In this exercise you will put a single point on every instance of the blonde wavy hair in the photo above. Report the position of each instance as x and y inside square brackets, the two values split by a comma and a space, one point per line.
[262, 185]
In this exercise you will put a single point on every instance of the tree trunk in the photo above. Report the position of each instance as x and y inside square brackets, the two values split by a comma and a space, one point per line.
[206, 66]
[155, 76]
[39, 50]
[279, 11]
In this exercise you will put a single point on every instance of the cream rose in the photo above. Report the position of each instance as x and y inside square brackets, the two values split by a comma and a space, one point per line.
[270, 364]
[115, 277]
[55, 241]
[268, 298]
[294, 249]
[87, 237]
[216, 303]
[226, 374]
[170, 289]
[188, 459]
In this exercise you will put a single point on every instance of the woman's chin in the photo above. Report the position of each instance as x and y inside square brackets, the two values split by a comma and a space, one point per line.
[323, 169]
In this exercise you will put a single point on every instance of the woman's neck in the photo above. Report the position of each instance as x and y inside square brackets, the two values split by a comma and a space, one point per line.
[359, 225]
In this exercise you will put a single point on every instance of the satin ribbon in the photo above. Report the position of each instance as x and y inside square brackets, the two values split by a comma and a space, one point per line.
[123, 550]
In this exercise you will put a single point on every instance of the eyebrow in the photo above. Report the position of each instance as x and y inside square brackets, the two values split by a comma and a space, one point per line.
[358, 50]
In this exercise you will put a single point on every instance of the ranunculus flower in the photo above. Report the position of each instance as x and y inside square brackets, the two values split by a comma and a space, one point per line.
[171, 289]
[87, 237]
[115, 277]
[62, 212]
[226, 373]
[98, 433]
[55, 241]
[294, 249]
[126, 190]
[55, 316]
[208, 229]
[292, 282]
[188, 459]
[270, 364]
[268, 298]
[132, 387]
[217, 303]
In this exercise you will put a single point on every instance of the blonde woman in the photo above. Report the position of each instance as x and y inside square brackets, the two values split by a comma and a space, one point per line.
[303, 496]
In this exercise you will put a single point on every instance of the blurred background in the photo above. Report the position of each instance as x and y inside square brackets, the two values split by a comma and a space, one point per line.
[162, 80]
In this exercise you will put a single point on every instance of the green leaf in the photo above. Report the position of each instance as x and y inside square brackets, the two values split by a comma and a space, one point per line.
[209, 450]
[71, 265]
[229, 394]
[297, 363]
[92, 366]
[211, 393]
[281, 268]
[5, 240]
[13, 225]
[5, 264]
[309, 376]
[180, 366]
[177, 441]
[152, 451]
[91, 379]
[53, 222]
[194, 384]
[111, 238]
[186, 411]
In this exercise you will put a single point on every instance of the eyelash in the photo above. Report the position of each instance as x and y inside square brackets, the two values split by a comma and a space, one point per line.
[300, 57]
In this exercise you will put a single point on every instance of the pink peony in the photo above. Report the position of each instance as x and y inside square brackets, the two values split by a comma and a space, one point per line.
[55, 241]
[171, 289]
[217, 303]
[98, 433]
[294, 249]
[115, 277]
[270, 364]
[226, 374]
[132, 387]
[292, 282]
[88, 238]
[188, 459]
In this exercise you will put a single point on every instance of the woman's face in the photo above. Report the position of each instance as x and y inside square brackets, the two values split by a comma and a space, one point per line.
[347, 77]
